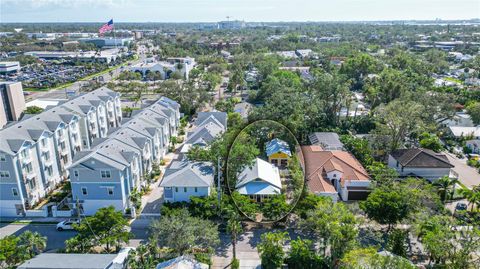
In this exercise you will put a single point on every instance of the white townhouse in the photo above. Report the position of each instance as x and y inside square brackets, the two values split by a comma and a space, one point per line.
[116, 165]
[35, 153]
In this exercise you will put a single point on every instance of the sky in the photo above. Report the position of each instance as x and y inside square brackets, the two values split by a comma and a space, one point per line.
[248, 10]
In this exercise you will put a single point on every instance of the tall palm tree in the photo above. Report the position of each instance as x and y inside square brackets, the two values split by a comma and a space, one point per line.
[234, 227]
[33, 242]
[472, 196]
[445, 187]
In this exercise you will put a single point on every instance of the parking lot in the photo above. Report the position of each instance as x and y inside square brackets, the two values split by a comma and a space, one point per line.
[52, 74]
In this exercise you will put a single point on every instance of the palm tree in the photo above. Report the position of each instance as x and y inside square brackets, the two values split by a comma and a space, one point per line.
[472, 196]
[445, 187]
[234, 227]
[33, 242]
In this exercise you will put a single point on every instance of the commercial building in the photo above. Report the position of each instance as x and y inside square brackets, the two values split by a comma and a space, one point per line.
[108, 173]
[36, 152]
[231, 25]
[9, 67]
[108, 42]
[12, 102]
[166, 68]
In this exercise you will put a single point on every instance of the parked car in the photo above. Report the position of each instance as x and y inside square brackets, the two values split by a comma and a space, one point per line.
[461, 206]
[67, 224]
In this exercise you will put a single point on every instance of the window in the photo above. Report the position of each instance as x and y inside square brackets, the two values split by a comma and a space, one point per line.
[84, 191]
[15, 192]
[24, 153]
[196, 189]
[62, 145]
[176, 189]
[334, 175]
[75, 173]
[32, 183]
[3, 158]
[49, 170]
[46, 155]
[4, 174]
[28, 168]
[110, 191]
[43, 142]
[106, 174]
[185, 189]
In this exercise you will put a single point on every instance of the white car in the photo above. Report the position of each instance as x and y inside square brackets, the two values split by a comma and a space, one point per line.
[67, 224]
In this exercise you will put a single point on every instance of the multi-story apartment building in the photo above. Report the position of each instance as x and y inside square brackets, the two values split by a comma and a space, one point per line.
[35, 153]
[12, 102]
[109, 172]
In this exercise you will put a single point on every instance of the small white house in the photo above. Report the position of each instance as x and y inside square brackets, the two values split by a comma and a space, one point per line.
[184, 179]
[259, 181]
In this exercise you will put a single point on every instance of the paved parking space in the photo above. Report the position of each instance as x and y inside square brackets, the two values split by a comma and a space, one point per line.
[55, 239]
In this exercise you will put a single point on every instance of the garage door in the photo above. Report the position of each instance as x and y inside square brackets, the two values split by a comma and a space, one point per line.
[357, 195]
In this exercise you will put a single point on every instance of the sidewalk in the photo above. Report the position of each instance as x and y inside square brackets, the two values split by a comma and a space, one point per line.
[26, 220]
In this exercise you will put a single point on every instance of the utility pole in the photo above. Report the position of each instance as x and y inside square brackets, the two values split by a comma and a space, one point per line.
[219, 190]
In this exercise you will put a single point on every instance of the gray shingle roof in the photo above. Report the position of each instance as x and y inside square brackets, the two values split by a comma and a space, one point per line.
[219, 116]
[188, 174]
[49, 119]
[69, 261]
[419, 157]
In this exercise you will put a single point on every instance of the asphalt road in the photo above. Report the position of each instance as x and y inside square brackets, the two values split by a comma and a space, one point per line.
[55, 239]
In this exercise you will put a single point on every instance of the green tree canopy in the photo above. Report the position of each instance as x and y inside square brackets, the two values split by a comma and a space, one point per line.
[183, 233]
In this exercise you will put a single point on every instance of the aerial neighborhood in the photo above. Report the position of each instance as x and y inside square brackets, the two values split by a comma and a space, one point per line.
[238, 144]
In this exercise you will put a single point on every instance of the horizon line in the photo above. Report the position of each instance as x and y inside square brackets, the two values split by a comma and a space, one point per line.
[291, 21]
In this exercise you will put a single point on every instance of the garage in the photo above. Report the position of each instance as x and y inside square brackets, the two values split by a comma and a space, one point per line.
[356, 194]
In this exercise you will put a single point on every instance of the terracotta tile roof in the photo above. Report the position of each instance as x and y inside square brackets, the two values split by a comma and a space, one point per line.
[318, 162]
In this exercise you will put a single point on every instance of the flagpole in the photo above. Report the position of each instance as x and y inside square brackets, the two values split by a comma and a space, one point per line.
[114, 38]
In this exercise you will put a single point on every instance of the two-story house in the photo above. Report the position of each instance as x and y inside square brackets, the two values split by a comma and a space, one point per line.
[419, 162]
[334, 173]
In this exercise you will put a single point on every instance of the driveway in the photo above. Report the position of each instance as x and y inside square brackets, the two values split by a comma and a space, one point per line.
[246, 251]
[467, 175]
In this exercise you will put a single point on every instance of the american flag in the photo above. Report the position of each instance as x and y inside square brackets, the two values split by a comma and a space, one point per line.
[106, 27]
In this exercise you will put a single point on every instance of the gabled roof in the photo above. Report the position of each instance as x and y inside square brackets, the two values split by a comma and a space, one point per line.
[49, 120]
[317, 162]
[276, 145]
[188, 174]
[221, 117]
[204, 134]
[419, 157]
[262, 177]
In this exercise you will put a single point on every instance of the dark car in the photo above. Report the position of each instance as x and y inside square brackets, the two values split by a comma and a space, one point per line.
[461, 206]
